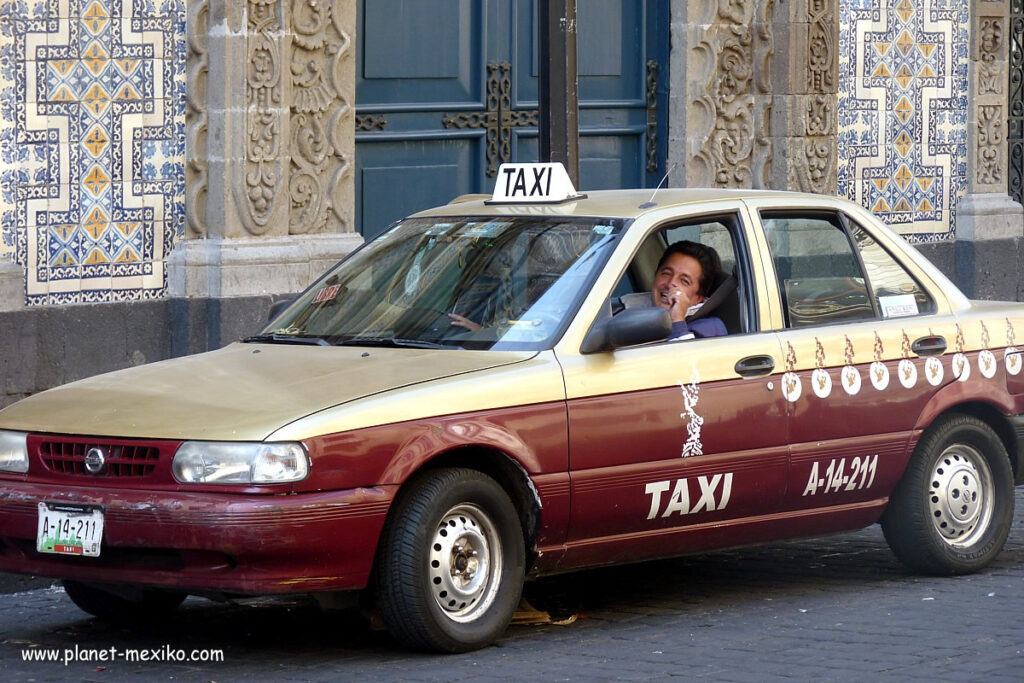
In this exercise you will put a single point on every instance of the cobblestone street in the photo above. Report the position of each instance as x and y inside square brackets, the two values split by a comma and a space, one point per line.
[838, 608]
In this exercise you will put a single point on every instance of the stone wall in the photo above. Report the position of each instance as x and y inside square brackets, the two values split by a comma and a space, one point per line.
[46, 347]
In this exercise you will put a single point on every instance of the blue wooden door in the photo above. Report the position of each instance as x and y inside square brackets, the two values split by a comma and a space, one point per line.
[446, 90]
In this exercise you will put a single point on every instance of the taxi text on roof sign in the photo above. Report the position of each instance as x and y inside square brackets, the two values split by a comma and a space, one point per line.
[533, 184]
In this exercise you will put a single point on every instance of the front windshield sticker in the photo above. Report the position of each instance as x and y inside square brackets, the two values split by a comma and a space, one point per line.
[604, 229]
[326, 294]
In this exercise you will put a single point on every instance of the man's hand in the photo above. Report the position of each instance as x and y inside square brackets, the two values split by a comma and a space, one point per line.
[460, 321]
[679, 303]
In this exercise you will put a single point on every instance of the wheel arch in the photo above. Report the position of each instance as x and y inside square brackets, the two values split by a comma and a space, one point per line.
[505, 470]
[1000, 424]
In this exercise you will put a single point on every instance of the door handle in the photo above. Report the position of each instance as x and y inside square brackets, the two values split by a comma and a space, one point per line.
[753, 366]
[932, 345]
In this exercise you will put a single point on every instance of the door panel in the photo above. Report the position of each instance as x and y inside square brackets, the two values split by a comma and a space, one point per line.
[472, 80]
[423, 169]
[400, 64]
[689, 443]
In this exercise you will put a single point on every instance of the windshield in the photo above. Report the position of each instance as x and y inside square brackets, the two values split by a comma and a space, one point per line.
[480, 283]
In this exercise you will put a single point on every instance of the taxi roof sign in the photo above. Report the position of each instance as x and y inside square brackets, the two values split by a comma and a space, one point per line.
[547, 183]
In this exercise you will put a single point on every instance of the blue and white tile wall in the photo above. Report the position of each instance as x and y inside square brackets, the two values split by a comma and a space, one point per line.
[92, 145]
[903, 111]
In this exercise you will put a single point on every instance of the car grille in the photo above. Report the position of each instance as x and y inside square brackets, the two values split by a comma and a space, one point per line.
[121, 459]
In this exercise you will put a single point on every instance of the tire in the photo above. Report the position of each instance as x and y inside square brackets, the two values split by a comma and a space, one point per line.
[118, 605]
[450, 563]
[951, 511]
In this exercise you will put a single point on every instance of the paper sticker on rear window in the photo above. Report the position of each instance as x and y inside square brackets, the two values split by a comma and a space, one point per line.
[898, 306]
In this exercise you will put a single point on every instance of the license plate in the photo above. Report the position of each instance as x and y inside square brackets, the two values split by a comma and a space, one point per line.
[69, 529]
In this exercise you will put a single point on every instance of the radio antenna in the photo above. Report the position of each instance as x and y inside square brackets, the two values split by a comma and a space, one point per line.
[650, 202]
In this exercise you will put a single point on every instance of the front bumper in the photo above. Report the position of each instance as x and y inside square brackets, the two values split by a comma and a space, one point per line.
[206, 543]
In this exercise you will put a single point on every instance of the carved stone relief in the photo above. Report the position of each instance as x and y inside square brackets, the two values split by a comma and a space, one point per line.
[821, 49]
[321, 111]
[264, 97]
[813, 169]
[295, 174]
[196, 121]
[990, 72]
[991, 137]
[734, 103]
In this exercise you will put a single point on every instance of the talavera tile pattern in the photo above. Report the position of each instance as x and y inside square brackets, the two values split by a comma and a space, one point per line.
[92, 143]
[902, 144]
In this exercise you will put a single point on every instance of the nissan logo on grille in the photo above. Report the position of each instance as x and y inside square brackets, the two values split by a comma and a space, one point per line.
[95, 461]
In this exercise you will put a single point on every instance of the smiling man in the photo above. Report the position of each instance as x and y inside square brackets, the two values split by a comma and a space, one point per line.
[681, 285]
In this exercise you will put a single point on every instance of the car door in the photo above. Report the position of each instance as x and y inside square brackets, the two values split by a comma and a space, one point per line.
[671, 447]
[862, 338]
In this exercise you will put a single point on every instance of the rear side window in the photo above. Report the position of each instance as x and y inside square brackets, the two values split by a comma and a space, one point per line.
[896, 293]
[829, 275]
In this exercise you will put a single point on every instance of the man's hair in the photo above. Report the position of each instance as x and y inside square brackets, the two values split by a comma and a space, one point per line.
[710, 263]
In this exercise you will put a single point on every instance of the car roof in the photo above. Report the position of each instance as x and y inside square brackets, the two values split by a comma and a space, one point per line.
[610, 203]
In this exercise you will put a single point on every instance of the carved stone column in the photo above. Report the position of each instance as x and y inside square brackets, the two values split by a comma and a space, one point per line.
[987, 212]
[269, 144]
[720, 97]
[805, 97]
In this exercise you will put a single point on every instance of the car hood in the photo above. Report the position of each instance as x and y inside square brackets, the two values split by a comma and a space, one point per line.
[241, 392]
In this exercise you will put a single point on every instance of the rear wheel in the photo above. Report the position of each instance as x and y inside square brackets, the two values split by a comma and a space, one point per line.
[451, 562]
[952, 510]
[122, 604]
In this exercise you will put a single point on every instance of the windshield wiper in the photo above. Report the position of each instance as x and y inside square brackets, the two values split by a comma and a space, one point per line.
[278, 338]
[392, 341]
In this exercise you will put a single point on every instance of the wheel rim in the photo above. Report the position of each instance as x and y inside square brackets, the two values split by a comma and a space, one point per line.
[465, 563]
[961, 495]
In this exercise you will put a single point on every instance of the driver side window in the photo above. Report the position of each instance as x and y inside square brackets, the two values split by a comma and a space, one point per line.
[720, 233]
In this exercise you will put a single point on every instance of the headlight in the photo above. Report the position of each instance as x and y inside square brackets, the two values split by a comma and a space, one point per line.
[13, 452]
[219, 462]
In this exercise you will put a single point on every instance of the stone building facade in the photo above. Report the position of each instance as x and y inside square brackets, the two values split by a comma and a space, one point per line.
[179, 163]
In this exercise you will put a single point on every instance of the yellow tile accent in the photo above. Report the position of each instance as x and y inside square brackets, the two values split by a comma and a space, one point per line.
[95, 18]
[95, 256]
[96, 223]
[903, 177]
[97, 99]
[96, 58]
[96, 181]
[96, 141]
[904, 109]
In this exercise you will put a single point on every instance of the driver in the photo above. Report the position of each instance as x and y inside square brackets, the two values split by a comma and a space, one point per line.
[682, 283]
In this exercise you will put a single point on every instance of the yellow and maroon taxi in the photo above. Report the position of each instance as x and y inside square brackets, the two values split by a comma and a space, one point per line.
[489, 391]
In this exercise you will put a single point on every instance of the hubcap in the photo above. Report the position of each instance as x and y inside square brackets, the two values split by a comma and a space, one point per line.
[960, 497]
[465, 563]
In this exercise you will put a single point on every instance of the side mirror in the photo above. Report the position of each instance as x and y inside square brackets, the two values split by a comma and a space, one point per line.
[630, 327]
[277, 307]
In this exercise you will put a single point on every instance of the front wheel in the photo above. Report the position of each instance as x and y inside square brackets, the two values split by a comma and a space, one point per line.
[451, 562]
[952, 510]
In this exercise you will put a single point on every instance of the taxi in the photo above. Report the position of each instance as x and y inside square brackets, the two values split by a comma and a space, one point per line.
[504, 387]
